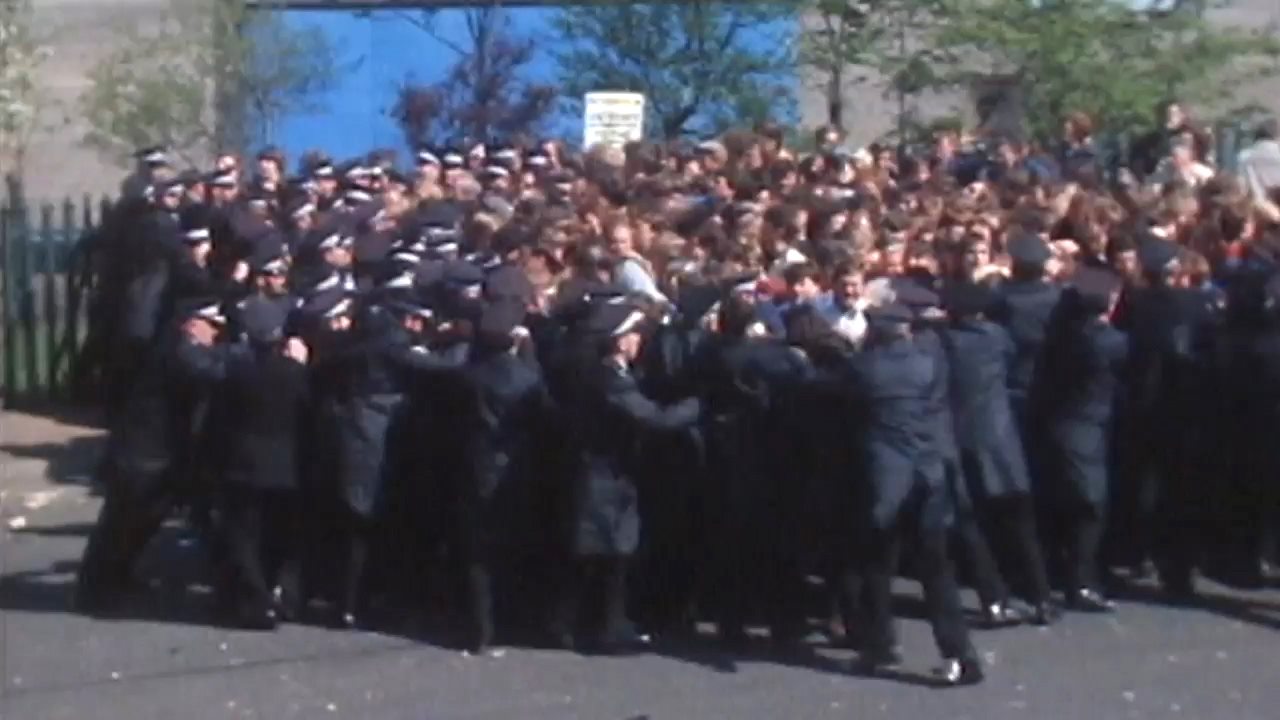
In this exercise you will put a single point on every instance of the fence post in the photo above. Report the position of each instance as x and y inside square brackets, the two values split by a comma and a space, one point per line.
[74, 260]
[20, 270]
[10, 377]
[55, 295]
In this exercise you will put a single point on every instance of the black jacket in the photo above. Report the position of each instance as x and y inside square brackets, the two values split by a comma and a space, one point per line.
[611, 416]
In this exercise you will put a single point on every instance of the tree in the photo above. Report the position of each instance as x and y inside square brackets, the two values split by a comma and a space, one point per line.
[483, 96]
[21, 55]
[847, 41]
[702, 65]
[208, 75]
[1113, 60]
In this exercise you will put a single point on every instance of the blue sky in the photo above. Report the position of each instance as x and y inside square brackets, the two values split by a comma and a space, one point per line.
[377, 50]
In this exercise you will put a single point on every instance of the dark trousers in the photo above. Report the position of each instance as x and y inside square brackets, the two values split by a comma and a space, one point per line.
[604, 577]
[477, 582]
[134, 509]
[1082, 538]
[1011, 523]
[357, 535]
[760, 568]
[1180, 517]
[261, 537]
[986, 572]
[942, 597]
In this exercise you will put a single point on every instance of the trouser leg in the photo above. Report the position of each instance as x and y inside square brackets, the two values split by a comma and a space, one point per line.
[571, 584]
[616, 625]
[283, 544]
[879, 566]
[356, 559]
[100, 568]
[1086, 537]
[986, 574]
[942, 596]
[1177, 531]
[243, 508]
[1016, 517]
[479, 589]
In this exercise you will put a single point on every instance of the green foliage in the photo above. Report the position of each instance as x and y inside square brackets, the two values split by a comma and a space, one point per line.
[21, 55]
[208, 74]
[702, 65]
[1113, 59]
[1096, 56]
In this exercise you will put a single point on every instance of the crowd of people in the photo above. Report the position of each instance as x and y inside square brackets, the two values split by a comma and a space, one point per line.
[609, 396]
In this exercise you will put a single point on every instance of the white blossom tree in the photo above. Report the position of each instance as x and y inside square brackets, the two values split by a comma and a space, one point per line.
[21, 54]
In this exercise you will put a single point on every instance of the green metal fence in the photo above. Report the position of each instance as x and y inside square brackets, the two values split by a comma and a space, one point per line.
[43, 296]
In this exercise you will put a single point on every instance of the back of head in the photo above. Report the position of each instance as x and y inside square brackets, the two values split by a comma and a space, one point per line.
[736, 316]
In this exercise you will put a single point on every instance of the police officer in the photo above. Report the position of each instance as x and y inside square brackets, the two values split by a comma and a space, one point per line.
[992, 459]
[149, 447]
[263, 399]
[1084, 359]
[908, 496]
[611, 415]
[1167, 326]
[757, 497]
[507, 406]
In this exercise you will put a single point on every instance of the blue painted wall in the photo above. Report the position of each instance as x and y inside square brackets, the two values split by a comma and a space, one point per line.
[377, 50]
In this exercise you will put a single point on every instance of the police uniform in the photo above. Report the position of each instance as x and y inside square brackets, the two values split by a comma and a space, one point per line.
[264, 398]
[610, 416]
[980, 353]
[506, 406]
[1084, 358]
[908, 495]
[148, 452]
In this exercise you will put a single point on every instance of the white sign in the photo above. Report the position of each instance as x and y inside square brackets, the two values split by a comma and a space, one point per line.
[612, 118]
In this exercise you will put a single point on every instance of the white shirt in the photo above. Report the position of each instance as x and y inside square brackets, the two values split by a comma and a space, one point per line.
[1259, 166]
[852, 323]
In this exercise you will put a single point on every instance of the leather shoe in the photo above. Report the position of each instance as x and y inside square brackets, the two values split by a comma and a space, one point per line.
[956, 672]
[1090, 600]
[622, 644]
[1045, 614]
[870, 662]
[1000, 614]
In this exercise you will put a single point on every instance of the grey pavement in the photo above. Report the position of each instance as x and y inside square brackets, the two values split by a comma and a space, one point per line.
[1221, 660]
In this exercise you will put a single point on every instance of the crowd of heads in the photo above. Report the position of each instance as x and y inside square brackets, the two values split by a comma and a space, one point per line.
[659, 218]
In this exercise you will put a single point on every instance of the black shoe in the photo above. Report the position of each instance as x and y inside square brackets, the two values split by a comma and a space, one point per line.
[257, 619]
[1000, 614]
[630, 643]
[1089, 600]
[1142, 570]
[286, 604]
[734, 639]
[956, 672]
[1270, 572]
[872, 662]
[1045, 614]
[558, 636]
[1181, 592]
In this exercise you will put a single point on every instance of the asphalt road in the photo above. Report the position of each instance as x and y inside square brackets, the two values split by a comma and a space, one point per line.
[1218, 660]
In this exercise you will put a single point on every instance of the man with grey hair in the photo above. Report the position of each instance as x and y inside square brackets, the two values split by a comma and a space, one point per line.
[1259, 164]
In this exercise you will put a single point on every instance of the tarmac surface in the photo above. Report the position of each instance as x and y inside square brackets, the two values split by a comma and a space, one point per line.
[1219, 659]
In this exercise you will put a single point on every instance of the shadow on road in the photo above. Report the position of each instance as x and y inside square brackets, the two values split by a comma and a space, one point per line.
[1263, 613]
[72, 462]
